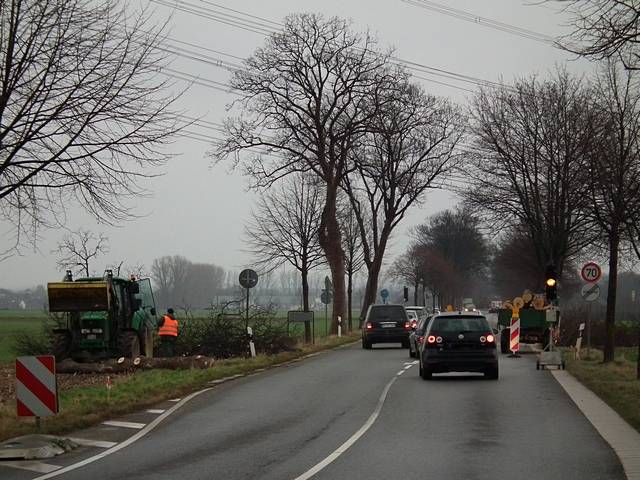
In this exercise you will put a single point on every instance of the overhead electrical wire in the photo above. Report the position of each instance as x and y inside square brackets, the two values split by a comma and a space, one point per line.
[483, 21]
[250, 25]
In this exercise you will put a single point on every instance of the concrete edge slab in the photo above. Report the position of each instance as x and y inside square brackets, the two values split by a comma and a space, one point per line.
[622, 437]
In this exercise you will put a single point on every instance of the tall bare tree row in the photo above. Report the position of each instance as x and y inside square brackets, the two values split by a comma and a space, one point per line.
[320, 98]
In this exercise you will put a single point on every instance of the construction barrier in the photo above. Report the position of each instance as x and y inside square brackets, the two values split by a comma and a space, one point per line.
[36, 387]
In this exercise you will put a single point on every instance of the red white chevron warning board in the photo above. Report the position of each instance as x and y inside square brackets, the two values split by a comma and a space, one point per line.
[36, 388]
[514, 337]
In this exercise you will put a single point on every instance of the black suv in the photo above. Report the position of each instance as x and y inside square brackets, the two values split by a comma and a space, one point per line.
[458, 342]
[386, 324]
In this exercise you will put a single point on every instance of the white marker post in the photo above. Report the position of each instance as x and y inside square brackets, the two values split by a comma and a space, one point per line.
[252, 346]
[339, 326]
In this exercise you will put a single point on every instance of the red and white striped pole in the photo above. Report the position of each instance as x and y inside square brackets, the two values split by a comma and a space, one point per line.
[514, 333]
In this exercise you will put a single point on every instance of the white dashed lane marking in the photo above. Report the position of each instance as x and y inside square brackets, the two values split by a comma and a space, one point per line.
[116, 423]
[175, 399]
[32, 466]
[155, 410]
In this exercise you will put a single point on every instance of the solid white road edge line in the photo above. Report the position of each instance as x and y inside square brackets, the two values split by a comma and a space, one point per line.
[125, 443]
[353, 439]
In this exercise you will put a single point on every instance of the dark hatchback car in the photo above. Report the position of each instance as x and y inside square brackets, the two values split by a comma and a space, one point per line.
[458, 342]
[386, 324]
[416, 337]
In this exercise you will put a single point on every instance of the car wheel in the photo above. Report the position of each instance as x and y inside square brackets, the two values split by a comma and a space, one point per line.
[411, 353]
[491, 373]
[425, 373]
[366, 344]
[405, 344]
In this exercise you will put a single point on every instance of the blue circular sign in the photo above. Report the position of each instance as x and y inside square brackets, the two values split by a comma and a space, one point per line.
[384, 293]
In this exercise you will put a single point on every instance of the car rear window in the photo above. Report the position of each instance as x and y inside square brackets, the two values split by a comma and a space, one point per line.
[384, 312]
[460, 324]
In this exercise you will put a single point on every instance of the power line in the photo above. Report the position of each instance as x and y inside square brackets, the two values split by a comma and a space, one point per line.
[483, 21]
[252, 26]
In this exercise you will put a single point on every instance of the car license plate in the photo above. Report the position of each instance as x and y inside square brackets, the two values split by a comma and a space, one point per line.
[388, 324]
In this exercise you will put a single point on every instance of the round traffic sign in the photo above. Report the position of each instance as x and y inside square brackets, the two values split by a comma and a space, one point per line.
[248, 278]
[591, 272]
[384, 293]
[590, 292]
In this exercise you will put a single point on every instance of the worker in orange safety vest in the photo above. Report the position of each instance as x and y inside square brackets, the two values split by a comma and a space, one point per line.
[168, 332]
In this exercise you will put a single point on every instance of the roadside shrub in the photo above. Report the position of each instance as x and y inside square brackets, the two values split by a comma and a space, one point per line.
[626, 328]
[224, 334]
[29, 343]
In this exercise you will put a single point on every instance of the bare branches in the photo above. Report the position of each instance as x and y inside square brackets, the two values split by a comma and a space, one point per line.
[79, 248]
[285, 227]
[529, 165]
[604, 29]
[83, 115]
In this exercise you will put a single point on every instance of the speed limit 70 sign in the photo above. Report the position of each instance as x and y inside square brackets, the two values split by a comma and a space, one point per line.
[591, 272]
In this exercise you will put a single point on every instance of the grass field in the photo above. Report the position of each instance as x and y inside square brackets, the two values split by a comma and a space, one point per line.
[16, 321]
[615, 382]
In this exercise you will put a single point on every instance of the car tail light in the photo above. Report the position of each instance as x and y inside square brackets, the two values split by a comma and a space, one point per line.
[491, 338]
[420, 339]
[483, 338]
[438, 339]
[407, 325]
[369, 326]
[414, 323]
[431, 339]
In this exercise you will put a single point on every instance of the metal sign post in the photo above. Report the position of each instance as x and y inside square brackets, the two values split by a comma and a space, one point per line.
[248, 279]
[590, 293]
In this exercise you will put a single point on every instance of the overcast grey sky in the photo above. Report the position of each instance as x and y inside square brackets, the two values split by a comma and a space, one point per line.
[199, 211]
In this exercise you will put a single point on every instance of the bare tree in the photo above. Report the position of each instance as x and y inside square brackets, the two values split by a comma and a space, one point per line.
[615, 170]
[82, 112]
[605, 29]
[353, 254]
[528, 168]
[79, 248]
[453, 250]
[305, 101]
[170, 274]
[285, 229]
[408, 268]
[410, 149]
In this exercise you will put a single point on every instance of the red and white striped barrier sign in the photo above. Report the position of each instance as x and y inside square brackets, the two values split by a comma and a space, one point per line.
[36, 387]
[514, 332]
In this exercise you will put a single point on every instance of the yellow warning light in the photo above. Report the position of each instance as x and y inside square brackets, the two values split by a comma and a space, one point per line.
[551, 282]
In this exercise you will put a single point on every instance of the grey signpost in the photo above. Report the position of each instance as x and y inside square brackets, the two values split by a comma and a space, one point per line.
[590, 293]
[248, 279]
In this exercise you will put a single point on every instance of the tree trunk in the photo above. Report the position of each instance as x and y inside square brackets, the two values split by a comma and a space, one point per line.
[305, 302]
[330, 239]
[415, 294]
[350, 300]
[374, 272]
[610, 319]
[124, 365]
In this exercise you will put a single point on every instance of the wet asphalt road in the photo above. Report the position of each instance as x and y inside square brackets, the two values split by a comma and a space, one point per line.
[280, 423]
